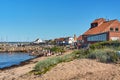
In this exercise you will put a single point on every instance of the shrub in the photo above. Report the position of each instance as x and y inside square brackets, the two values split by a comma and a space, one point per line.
[103, 58]
[104, 55]
[57, 49]
[108, 44]
[92, 56]
[96, 46]
[82, 53]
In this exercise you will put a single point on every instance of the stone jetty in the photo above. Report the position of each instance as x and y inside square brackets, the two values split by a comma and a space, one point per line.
[16, 48]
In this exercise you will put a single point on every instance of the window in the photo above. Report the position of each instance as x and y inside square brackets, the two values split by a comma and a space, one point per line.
[94, 25]
[111, 29]
[116, 29]
[100, 37]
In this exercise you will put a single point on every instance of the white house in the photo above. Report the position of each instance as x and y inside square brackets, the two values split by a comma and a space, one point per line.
[69, 40]
[38, 41]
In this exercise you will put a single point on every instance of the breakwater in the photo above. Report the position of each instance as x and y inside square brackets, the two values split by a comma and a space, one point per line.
[15, 48]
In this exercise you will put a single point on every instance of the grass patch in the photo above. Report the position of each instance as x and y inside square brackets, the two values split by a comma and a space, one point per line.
[45, 65]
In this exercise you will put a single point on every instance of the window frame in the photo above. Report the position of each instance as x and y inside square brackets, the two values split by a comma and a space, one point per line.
[116, 29]
[111, 29]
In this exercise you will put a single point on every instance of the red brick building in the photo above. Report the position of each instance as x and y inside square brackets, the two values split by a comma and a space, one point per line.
[101, 30]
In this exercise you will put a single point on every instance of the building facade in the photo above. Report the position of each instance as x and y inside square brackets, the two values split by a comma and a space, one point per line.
[66, 40]
[101, 30]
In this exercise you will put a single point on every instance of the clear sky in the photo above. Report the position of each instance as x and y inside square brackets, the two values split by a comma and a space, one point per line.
[26, 20]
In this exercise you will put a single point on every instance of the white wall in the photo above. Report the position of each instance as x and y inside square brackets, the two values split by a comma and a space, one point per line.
[114, 38]
[71, 40]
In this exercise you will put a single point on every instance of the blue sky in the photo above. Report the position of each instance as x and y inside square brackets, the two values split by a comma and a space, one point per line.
[26, 20]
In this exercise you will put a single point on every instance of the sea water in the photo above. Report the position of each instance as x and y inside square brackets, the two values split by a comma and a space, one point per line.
[9, 59]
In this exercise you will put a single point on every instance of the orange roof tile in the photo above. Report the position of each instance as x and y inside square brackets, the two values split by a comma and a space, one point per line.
[80, 37]
[60, 39]
[101, 28]
[99, 20]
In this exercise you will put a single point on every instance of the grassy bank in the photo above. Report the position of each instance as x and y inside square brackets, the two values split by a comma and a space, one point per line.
[45, 65]
[103, 54]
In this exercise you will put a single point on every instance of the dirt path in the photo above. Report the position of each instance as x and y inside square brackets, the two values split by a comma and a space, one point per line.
[15, 73]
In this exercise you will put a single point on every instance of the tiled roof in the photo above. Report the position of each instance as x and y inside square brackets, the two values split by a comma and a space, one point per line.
[100, 29]
[80, 37]
[60, 39]
[99, 20]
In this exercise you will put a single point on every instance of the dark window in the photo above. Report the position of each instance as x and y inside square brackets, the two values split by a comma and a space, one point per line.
[94, 25]
[116, 29]
[111, 29]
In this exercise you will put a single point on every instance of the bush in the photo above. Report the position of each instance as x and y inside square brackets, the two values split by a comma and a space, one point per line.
[96, 46]
[104, 55]
[108, 44]
[82, 53]
[57, 49]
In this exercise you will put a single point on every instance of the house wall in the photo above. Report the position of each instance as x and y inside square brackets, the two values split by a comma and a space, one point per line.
[71, 40]
[114, 35]
[114, 25]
